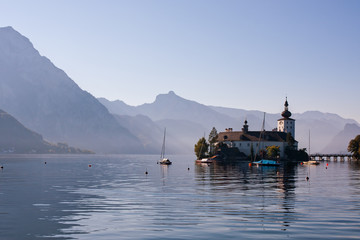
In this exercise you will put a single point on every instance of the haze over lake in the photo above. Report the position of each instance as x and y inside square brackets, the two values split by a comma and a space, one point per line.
[111, 197]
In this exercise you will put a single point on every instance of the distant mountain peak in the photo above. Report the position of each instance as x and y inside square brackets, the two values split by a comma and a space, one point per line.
[45, 99]
[171, 95]
[340, 142]
[7, 28]
[13, 41]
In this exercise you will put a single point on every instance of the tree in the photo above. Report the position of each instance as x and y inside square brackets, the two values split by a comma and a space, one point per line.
[290, 140]
[354, 147]
[273, 151]
[213, 136]
[297, 155]
[201, 148]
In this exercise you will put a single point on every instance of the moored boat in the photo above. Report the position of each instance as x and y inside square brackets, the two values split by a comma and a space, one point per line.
[204, 160]
[212, 159]
[266, 162]
[163, 159]
[311, 162]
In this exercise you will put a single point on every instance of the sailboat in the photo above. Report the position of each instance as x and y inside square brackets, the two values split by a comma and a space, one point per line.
[264, 162]
[312, 162]
[163, 159]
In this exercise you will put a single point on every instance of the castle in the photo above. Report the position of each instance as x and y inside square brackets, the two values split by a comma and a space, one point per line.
[247, 141]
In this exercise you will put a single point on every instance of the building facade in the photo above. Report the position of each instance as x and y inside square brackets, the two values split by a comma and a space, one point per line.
[255, 141]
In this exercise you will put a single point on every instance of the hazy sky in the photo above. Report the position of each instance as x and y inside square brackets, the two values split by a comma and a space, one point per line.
[242, 54]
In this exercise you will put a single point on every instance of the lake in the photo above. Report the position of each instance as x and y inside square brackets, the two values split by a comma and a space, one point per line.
[111, 197]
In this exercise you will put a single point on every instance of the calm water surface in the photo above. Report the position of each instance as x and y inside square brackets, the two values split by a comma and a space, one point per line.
[111, 197]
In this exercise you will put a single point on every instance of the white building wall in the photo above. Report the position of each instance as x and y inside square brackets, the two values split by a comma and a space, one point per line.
[245, 146]
[286, 126]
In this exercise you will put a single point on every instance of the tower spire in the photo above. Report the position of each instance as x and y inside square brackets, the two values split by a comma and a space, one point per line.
[245, 128]
[286, 113]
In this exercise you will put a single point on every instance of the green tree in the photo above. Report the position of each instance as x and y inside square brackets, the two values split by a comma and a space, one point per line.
[354, 147]
[290, 140]
[273, 151]
[201, 148]
[297, 155]
[213, 136]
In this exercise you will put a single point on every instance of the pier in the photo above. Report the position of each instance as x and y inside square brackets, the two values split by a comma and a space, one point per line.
[331, 157]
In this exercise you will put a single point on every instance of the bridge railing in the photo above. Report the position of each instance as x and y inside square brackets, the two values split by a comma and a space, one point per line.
[331, 157]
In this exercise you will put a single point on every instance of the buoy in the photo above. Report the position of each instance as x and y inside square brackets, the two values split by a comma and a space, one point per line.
[45, 162]
[307, 178]
[249, 164]
[89, 165]
[146, 172]
[188, 168]
[327, 164]
[2, 167]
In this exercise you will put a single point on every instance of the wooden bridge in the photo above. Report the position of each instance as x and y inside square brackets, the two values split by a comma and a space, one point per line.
[331, 157]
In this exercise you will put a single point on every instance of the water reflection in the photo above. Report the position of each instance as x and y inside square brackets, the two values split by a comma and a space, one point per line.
[31, 196]
[114, 199]
[264, 193]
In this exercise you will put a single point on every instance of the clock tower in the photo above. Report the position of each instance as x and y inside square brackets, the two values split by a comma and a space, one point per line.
[286, 124]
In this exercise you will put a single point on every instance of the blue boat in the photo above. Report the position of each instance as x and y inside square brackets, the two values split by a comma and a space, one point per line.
[266, 162]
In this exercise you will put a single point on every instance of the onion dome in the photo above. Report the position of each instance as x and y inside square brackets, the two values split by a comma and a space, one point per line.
[286, 113]
[245, 128]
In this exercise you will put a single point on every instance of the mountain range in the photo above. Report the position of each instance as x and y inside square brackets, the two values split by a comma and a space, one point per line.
[46, 100]
[190, 120]
[43, 98]
[16, 138]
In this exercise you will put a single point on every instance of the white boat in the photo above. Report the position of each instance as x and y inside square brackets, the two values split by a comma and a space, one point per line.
[212, 159]
[204, 160]
[163, 160]
[312, 162]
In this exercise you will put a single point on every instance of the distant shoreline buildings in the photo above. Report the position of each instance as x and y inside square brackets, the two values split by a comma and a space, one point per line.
[254, 141]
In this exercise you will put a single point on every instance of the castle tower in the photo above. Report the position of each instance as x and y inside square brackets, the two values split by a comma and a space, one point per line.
[286, 124]
[245, 128]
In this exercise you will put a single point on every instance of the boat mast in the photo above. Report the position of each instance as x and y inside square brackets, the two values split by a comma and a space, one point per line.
[260, 136]
[308, 173]
[309, 145]
[163, 146]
